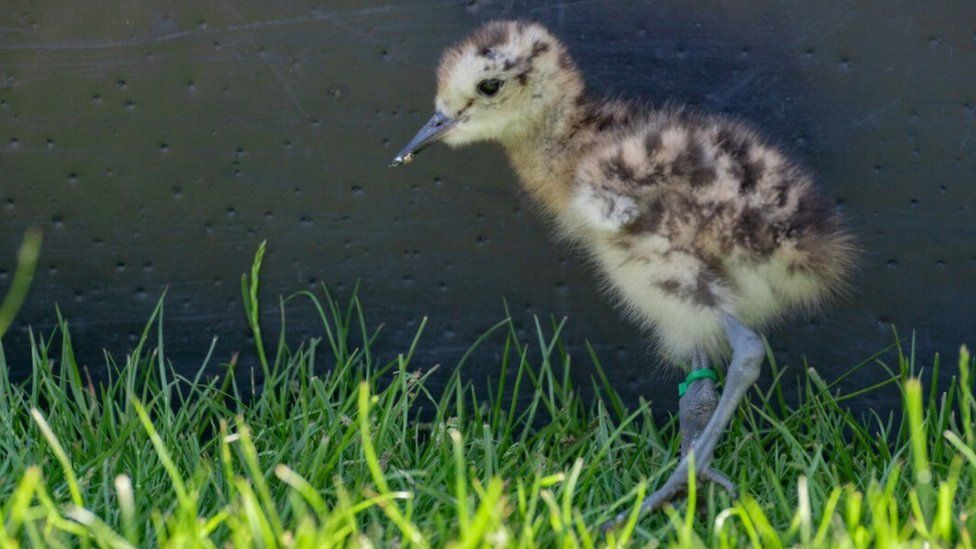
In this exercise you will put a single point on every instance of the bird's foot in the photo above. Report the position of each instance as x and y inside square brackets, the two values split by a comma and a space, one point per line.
[674, 487]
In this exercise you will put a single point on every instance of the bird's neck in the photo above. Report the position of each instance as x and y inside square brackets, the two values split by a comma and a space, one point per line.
[544, 153]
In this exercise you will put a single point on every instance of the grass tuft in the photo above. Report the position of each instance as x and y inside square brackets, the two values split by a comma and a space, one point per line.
[343, 448]
[27, 257]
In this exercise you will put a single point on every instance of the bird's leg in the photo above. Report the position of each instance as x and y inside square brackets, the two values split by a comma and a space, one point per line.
[695, 408]
[747, 355]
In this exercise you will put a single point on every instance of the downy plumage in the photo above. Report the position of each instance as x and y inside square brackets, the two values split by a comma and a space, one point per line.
[704, 232]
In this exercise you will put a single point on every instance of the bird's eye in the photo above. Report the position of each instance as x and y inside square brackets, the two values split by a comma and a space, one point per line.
[490, 87]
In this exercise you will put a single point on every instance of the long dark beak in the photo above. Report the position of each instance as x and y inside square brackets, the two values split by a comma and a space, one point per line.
[431, 132]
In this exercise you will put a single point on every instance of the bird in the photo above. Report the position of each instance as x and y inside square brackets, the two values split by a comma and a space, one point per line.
[703, 232]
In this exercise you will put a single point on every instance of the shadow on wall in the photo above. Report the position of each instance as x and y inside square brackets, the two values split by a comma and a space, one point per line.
[158, 145]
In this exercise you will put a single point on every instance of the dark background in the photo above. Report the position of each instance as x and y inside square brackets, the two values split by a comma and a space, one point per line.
[157, 144]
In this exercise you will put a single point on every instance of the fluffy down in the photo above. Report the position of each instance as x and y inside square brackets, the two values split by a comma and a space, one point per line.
[687, 216]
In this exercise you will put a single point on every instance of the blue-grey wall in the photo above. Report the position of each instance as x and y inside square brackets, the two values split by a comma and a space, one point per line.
[157, 143]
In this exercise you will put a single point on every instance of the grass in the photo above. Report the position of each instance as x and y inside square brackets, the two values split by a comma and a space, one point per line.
[351, 450]
[27, 256]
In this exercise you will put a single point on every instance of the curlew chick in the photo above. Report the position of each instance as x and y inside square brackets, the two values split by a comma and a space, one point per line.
[704, 233]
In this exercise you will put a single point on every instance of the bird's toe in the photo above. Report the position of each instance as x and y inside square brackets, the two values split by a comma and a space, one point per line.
[720, 478]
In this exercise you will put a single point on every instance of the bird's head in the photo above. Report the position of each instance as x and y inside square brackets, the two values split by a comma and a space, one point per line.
[495, 85]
